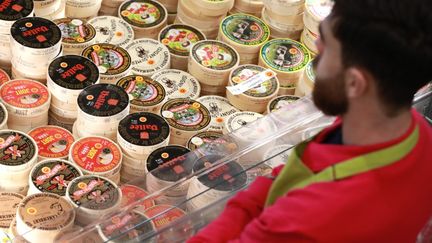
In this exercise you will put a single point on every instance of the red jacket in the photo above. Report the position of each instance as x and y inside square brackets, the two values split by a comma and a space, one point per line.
[390, 204]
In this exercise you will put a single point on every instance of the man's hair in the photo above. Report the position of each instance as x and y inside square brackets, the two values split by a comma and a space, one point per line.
[392, 40]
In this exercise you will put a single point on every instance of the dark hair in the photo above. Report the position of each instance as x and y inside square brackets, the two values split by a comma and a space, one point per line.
[391, 39]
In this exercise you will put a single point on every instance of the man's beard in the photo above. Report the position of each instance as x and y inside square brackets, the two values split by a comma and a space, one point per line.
[329, 93]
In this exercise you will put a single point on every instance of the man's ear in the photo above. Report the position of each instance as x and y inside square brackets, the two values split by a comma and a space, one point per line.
[356, 82]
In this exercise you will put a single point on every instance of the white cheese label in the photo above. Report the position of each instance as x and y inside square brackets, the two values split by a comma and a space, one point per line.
[252, 82]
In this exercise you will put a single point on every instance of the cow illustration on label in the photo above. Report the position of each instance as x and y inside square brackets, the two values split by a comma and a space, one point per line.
[30, 99]
[106, 157]
[58, 146]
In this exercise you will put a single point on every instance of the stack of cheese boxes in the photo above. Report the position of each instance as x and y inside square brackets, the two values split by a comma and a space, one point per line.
[104, 92]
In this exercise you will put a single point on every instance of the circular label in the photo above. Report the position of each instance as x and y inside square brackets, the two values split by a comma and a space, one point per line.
[169, 163]
[245, 72]
[73, 72]
[214, 55]
[93, 192]
[9, 202]
[163, 215]
[96, 154]
[145, 91]
[227, 177]
[148, 56]
[245, 29]
[54, 176]
[46, 211]
[144, 129]
[26, 94]
[110, 59]
[212, 141]
[131, 194]
[143, 13]
[282, 101]
[310, 73]
[4, 77]
[52, 141]
[179, 38]
[186, 114]
[14, 10]
[16, 148]
[241, 119]
[219, 108]
[285, 55]
[103, 100]
[126, 227]
[35, 32]
[320, 9]
[113, 30]
[178, 84]
[75, 31]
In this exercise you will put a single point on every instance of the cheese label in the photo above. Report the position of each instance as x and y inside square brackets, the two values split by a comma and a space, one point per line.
[254, 81]
[163, 215]
[179, 38]
[94, 192]
[214, 55]
[110, 59]
[53, 142]
[285, 55]
[178, 84]
[143, 13]
[96, 154]
[282, 101]
[219, 108]
[73, 72]
[169, 163]
[134, 223]
[35, 32]
[320, 9]
[24, 94]
[4, 77]
[45, 211]
[226, 177]
[15, 10]
[186, 114]
[148, 56]
[103, 100]
[53, 176]
[210, 141]
[144, 129]
[75, 31]
[245, 29]
[145, 92]
[241, 119]
[112, 30]
[9, 202]
[310, 73]
[131, 194]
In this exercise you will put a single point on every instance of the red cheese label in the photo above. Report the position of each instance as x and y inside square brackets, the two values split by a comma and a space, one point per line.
[132, 194]
[166, 218]
[4, 77]
[96, 154]
[24, 94]
[53, 142]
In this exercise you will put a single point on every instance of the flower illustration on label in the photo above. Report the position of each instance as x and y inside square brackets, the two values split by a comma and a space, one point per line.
[88, 188]
[187, 115]
[49, 173]
[213, 56]
[14, 152]
[98, 196]
[142, 13]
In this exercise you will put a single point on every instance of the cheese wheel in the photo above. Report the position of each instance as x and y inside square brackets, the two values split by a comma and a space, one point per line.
[308, 38]
[307, 81]
[285, 7]
[255, 85]
[52, 176]
[13, 11]
[141, 133]
[42, 216]
[195, 17]
[287, 58]
[210, 142]
[178, 84]
[9, 202]
[179, 38]
[82, 8]
[186, 117]
[56, 120]
[147, 17]
[220, 108]
[212, 61]
[5, 52]
[96, 156]
[287, 90]
[145, 93]
[133, 194]
[112, 30]
[211, 186]
[148, 56]
[170, 5]
[282, 29]
[46, 7]
[53, 142]
[112, 61]
[281, 101]
[77, 34]
[249, 6]
[163, 215]
[93, 197]
[315, 12]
